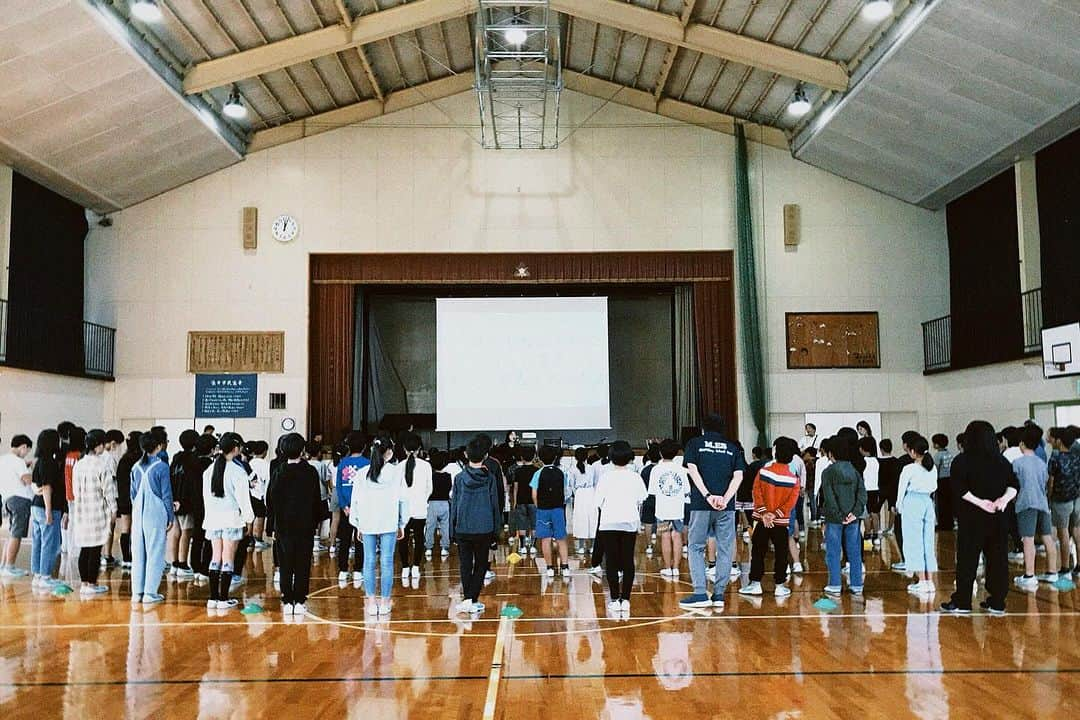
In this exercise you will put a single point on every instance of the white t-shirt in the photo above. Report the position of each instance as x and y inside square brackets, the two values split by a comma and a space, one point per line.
[12, 468]
[619, 494]
[260, 468]
[1013, 453]
[809, 441]
[670, 483]
[870, 474]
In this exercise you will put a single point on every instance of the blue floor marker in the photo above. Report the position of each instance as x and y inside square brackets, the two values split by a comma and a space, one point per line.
[825, 605]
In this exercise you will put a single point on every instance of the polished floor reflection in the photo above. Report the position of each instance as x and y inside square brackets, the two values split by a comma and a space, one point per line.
[887, 654]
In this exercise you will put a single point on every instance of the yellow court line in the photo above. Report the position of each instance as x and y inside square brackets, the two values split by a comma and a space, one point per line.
[496, 669]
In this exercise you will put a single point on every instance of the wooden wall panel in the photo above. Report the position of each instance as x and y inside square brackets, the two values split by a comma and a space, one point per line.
[259, 352]
[331, 337]
[714, 325]
[821, 341]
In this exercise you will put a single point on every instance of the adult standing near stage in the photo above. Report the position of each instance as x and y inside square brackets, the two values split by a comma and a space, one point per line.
[716, 467]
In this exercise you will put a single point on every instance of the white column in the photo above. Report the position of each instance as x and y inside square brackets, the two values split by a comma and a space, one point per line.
[1027, 221]
[5, 228]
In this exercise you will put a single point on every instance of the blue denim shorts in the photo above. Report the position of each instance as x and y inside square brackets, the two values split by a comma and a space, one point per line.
[233, 534]
[551, 523]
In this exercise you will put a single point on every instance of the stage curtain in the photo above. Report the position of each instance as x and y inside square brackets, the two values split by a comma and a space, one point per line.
[386, 391]
[1057, 170]
[686, 376]
[331, 337]
[752, 348]
[715, 331]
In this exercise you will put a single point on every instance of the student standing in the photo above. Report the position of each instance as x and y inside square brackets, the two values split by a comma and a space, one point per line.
[872, 480]
[48, 509]
[946, 516]
[648, 508]
[475, 514]
[1064, 493]
[294, 501]
[918, 483]
[669, 484]
[584, 491]
[716, 468]
[347, 540]
[152, 516]
[843, 496]
[114, 448]
[379, 512]
[416, 473]
[183, 474]
[548, 486]
[260, 481]
[776, 494]
[522, 504]
[600, 466]
[1033, 509]
[192, 488]
[16, 489]
[438, 506]
[619, 495]
[92, 507]
[985, 484]
[227, 501]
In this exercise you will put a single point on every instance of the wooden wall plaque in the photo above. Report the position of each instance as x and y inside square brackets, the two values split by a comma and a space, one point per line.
[822, 340]
[236, 352]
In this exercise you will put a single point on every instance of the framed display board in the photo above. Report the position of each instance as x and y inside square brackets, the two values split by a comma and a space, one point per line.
[831, 340]
[234, 352]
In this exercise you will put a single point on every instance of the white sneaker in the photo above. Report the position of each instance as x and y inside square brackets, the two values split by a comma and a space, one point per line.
[477, 608]
[753, 588]
[1048, 577]
[404, 573]
[581, 550]
[1025, 583]
[357, 576]
[710, 574]
[277, 577]
[185, 574]
[385, 606]
[343, 577]
[372, 608]
[532, 551]
[597, 570]
[427, 554]
[465, 607]
[227, 604]
[915, 588]
[675, 573]
[287, 609]
[445, 554]
[782, 591]
[210, 604]
[846, 569]
[928, 588]
[299, 609]
[489, 575]
[550, 572]
[797, 567]
[665, 572]
[416, 571]
[615, 607]
[624, 607]
[736, 571]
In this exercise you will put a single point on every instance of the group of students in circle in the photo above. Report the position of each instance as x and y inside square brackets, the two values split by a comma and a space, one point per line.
[198, 514]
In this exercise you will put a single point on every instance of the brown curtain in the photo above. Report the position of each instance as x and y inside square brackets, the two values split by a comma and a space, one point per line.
[714, 324]
[331, 337]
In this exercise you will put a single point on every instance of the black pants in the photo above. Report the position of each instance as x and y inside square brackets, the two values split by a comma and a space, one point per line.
[898, 533]
[413, 540]
[473, 558]
[598, 545]
[987, 535]
[294, 552]
[944, 500]
[760, 539]
[240, 558]
[346, 538]
[200, 553]
[619, 548]
[89, 564]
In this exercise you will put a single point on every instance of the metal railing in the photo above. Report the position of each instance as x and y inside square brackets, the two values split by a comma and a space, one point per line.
[1031, 307]
[937, 334]
[937, 343]
[33, 339]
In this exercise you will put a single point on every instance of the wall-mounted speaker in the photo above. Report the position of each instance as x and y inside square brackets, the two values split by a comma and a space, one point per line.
[791, 226]
[251, 228]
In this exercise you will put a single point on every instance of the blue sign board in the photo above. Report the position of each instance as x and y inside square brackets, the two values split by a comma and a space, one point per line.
[226, 396]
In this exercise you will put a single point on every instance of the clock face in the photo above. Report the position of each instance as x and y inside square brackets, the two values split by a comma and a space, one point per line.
[288, 424]
[285, 228]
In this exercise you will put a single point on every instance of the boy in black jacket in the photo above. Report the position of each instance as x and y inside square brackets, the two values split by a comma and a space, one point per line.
[475, 516]
[295, 503]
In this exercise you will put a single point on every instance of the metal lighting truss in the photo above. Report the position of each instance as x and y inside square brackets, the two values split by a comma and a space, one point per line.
[518, 85]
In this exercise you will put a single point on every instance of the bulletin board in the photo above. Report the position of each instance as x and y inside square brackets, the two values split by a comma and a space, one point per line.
[830, 340]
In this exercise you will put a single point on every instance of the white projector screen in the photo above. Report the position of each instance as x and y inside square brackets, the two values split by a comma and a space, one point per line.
[521, 364]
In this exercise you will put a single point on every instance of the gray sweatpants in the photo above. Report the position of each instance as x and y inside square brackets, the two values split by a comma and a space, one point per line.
[438, 513]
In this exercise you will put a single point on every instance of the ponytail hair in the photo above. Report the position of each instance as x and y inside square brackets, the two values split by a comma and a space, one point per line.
[580, 456]
[379, 446]
[229, 442]
[922, 448]
[148, 443]
[411, 443]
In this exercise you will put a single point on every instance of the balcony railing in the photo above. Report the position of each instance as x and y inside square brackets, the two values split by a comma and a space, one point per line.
[32, 339]
[937, 334]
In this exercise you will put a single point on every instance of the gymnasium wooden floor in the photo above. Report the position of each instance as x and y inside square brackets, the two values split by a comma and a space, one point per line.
[888, 655]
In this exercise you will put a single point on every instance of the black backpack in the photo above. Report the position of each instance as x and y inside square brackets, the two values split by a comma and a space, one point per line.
[549, 488]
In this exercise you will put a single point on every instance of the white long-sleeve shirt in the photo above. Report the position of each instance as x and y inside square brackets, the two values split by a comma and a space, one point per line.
[417, 495]
[380, 506]
[233, 510]
[914, 478]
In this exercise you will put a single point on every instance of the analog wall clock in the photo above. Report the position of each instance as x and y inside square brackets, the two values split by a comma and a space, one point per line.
[285, 228]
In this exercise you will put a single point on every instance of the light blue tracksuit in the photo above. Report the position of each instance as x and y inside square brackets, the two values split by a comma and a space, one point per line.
[149, 519]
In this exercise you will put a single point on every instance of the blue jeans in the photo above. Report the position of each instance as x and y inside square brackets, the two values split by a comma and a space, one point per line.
[851, 537]
[385, 543]
[45, 541]
[719, 524]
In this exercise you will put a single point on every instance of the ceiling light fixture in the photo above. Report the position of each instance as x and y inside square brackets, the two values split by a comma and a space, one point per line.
[515, 35]
[146, 10]
[877, 10]
[800, 104]
[233, 107]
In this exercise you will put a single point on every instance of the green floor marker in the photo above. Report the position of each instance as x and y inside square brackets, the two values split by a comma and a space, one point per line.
[252, 609]
[61, 590]
[826, 605]
[1065, 584]
[512, 611]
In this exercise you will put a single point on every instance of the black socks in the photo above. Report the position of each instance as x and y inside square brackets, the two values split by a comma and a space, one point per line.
[125, 546]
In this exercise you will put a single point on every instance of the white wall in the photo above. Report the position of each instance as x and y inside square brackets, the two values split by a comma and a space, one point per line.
[418, 181]
[33, 401]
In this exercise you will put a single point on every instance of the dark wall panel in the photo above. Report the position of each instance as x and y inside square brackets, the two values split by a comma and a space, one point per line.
[1058, 173]
[984, 264]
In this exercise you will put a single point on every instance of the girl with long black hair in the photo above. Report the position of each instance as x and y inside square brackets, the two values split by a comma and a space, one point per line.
[417, 475]
[379, 511]
[48, 509]
[918, 482]
[583, 487]
[983, 485]
[227, 503]
[152, 517]
[123, 495]
[93, 507]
